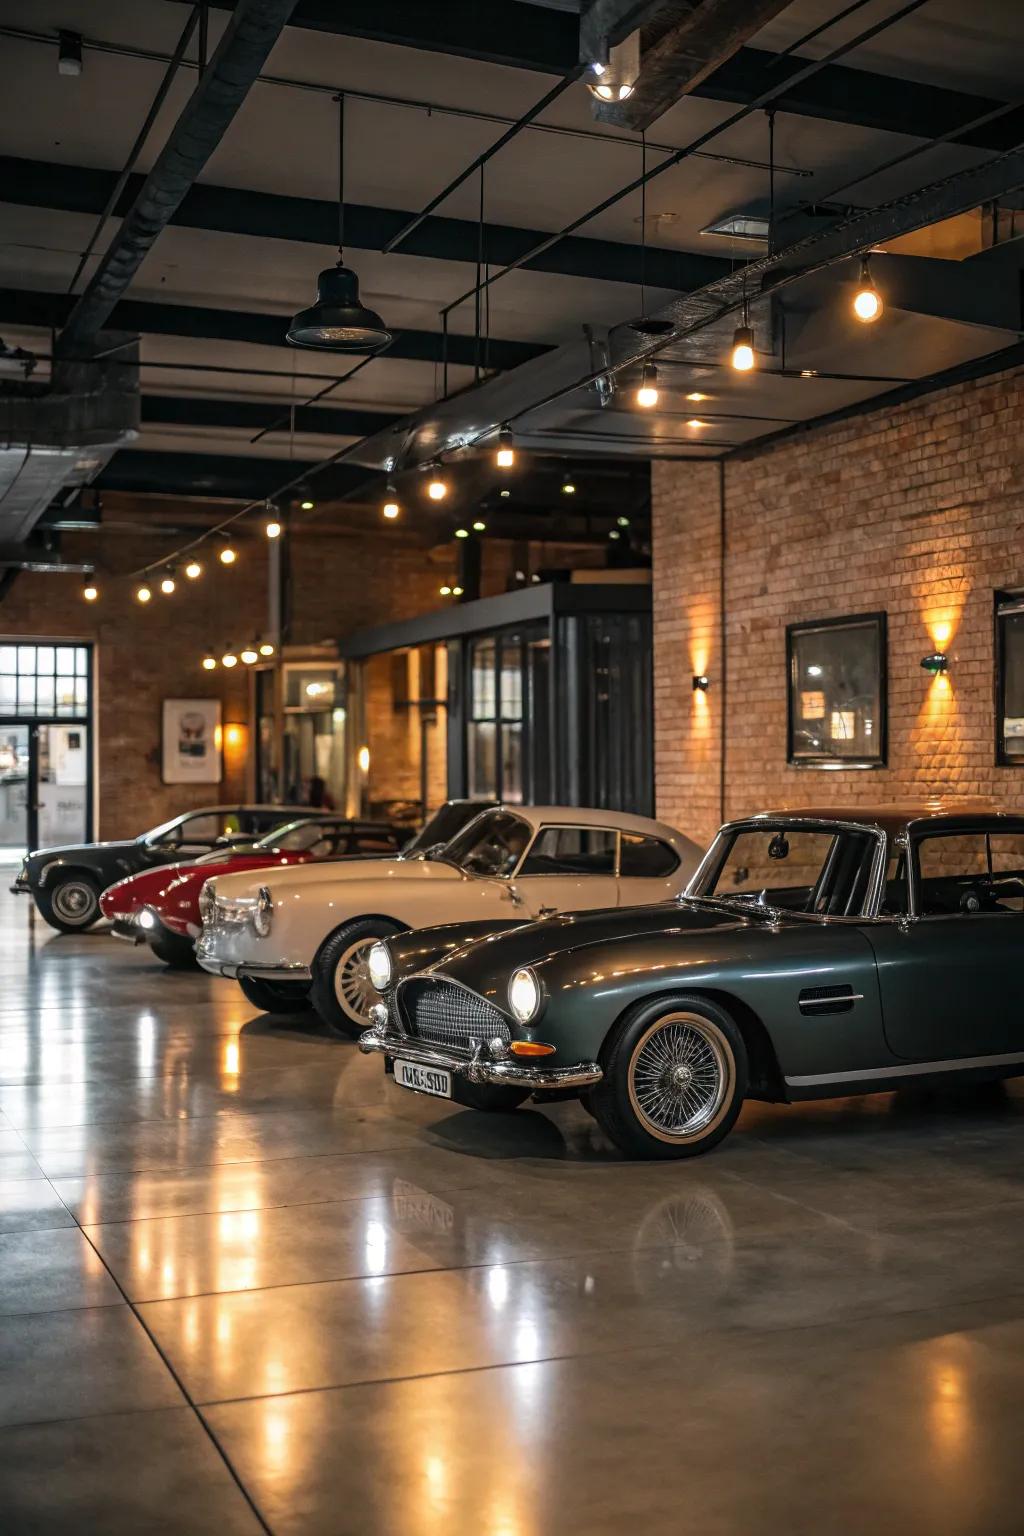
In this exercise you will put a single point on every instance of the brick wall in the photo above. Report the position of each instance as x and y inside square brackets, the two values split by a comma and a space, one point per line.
[341, 582]
[915, 509]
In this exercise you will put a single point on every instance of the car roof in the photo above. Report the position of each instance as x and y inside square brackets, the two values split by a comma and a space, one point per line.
[894, 819]
[589, 816]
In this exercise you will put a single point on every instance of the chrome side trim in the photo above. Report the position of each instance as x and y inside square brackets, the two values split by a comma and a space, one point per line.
[233, 969]
[811, 1004]
[478, 1068]
[910, 1069]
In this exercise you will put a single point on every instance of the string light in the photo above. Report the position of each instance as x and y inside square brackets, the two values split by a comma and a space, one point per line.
[456, 591]
[266, 649]
[272, 529]
[228, 555]
[229, 659]
[90, 591]
[193, 570]
[506, 454]
[249, 655]
[479, 525]
[391, 506]
[647, 394]
[445, 591]
[462, 533]
[167, 584]
[867, 301]
[307, 505]
[568, 489]
[209, 662]
[143, 594]
[437, 489]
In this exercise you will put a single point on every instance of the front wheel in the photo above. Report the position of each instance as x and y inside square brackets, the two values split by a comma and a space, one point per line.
[70, 903]
[275, 996]
[177, 952]
[342, 992]
[675, 1074]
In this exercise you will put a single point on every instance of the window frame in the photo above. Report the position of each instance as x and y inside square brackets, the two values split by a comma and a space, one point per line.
[924, 833]
[647, 837]
[569, 874]
[1003, 601]
[880, 620]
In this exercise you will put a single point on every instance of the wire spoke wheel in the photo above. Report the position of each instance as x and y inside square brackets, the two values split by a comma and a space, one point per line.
[681, 1076]
[353, 988]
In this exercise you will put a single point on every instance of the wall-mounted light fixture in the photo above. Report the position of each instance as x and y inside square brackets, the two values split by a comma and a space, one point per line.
[701, 682]
[936, 662]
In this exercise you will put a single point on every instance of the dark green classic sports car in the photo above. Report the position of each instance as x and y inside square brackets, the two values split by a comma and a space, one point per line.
[813, 954]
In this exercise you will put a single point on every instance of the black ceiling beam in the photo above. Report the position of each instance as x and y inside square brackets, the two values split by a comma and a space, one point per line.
[839, 94]
[498, 32]
[28, 307]
[218, 475]
[313, 221]
[198, 411]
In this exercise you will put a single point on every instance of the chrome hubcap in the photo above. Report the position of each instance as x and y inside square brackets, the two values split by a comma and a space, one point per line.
[73, 902]
[353, 988]
[680, 1076]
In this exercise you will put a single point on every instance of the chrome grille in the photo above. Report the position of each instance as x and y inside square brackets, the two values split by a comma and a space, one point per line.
[444, 1014]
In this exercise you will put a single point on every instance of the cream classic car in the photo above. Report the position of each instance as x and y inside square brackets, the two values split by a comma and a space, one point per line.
[300, 937]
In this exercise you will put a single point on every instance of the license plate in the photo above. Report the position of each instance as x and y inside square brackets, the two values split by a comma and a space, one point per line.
[424, 1079]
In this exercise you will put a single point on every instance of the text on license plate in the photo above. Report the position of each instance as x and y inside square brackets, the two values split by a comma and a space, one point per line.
[424, 1079]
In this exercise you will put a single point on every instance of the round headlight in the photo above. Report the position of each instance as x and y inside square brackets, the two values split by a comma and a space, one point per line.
[524, 995]
[380, 967]
[263, 912]
[207, 904]
[147, 919]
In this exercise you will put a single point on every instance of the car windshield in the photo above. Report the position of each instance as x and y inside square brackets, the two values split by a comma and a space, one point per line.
[440, 828]
[294, 837]
[822, 871]
[160, 833]
[493, 844]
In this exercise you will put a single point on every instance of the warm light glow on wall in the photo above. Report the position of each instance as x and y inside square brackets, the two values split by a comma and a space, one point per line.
[235, 736]
[363, 759]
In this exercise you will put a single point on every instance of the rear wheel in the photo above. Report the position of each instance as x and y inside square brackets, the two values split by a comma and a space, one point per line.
[675, 1073]
[70, 902]
[175, 951]
[342, 992]
[276, 996]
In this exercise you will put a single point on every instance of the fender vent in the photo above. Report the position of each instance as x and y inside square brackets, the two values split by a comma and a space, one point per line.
[817, 1000]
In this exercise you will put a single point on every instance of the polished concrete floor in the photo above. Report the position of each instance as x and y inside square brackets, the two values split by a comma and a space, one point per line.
[246, 1285]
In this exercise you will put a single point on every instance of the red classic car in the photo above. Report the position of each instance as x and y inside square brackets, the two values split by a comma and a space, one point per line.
[160, 906]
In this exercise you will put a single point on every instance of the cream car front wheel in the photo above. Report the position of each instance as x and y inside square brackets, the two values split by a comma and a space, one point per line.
[342, 992]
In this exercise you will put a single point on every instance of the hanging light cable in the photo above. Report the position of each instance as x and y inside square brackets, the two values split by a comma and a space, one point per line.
[339, 321]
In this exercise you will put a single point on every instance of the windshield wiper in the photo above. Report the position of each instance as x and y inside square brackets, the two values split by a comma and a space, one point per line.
[756, 908]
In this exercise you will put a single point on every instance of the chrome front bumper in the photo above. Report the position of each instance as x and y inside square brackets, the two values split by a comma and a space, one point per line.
[234, 970]
[21, 886]
[479, 1068]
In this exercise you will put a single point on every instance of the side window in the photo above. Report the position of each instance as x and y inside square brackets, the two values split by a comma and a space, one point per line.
[571, 851]
[970, 872]
[645, 857]
[204, 830]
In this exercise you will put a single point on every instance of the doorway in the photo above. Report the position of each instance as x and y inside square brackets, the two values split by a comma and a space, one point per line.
[45, 757]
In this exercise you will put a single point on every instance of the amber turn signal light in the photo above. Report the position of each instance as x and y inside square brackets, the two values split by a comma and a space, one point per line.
[531, 1048]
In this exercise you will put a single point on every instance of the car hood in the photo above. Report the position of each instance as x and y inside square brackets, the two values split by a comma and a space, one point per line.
[327, 876]
[534, 943]
[76, 850]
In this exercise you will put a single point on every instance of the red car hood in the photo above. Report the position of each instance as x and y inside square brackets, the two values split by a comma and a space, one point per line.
[172, 890]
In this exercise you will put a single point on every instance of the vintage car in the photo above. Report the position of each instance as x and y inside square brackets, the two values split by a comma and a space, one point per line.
[811, 955]
[67, 882]
[304, 935]
[160, 907]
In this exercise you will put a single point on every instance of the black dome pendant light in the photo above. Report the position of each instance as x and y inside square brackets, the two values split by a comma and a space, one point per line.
[338, 321]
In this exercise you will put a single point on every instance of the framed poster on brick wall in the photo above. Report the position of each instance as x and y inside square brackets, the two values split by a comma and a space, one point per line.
[837, 705]
[191, 742]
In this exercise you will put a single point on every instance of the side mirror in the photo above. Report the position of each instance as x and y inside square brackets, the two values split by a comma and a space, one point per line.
[513, 895]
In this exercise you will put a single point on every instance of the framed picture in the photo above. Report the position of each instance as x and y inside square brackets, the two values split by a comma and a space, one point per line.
[191, 741]
[837, 712]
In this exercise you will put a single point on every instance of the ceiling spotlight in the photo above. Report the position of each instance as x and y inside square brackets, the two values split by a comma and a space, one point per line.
[69, 53]
[209, 662]
[742, 356]
[506, 454]
[143, 594]
[614, 80]
[568, 489]
[437, 489]
[647, 394]
[339, 321]
[90, 591]
[462, 533]
[391, 507]
[479, 525]
[266, 649]
[193, 570]
[445, 591]
[228, 555]
[229, 659]
[307, 505]
[505, 494]
[249, 655]
[614, 534]
[623, 522]
[867, 301]
[272, 529]
[167, 584]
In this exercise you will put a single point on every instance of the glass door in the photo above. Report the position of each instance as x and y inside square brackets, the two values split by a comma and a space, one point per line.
[14, 785]
[60, 777]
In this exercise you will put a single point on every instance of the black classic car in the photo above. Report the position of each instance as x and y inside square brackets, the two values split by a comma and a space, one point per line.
[67, 882]
[813, 954]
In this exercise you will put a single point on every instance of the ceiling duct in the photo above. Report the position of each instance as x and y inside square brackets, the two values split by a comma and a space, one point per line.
[56, 437]
[679, 44]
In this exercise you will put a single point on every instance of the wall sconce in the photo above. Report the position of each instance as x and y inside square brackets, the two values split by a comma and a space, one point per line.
[234, 735]
[701, 682]
[936, 663]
